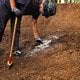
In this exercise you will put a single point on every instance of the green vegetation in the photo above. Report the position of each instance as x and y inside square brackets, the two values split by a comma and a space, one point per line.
[67, 1]
[77, 0]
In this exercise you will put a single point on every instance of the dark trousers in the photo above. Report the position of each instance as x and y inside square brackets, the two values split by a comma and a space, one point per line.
[4, 17]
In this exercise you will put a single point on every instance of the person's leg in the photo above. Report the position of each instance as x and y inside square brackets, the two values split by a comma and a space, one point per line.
[1, 28]
[35, 28]
[3, 21]
[17, 35]
[38, 40]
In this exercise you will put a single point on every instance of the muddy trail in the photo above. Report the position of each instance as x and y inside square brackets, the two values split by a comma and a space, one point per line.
[61, 61]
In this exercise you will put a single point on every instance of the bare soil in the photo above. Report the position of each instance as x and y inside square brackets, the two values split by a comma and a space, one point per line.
[61, 61]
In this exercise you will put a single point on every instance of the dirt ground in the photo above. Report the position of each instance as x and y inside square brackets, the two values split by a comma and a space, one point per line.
[61, 61]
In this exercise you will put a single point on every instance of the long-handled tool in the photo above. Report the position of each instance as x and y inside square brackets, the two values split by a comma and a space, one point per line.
[12, 44]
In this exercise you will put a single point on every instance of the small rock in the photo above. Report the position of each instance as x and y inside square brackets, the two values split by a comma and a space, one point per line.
[47, 78]
[17, 74]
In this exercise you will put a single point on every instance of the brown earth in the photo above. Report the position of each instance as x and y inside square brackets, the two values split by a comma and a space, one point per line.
[61, 61]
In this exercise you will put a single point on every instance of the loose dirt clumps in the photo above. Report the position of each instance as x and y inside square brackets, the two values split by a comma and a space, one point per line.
[61, 61]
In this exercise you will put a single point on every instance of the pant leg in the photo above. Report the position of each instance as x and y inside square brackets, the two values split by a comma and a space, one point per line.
[3, 21]
[1, 28]
[17, 35]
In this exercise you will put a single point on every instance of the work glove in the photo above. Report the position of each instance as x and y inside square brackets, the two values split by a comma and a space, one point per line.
[16, 11]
